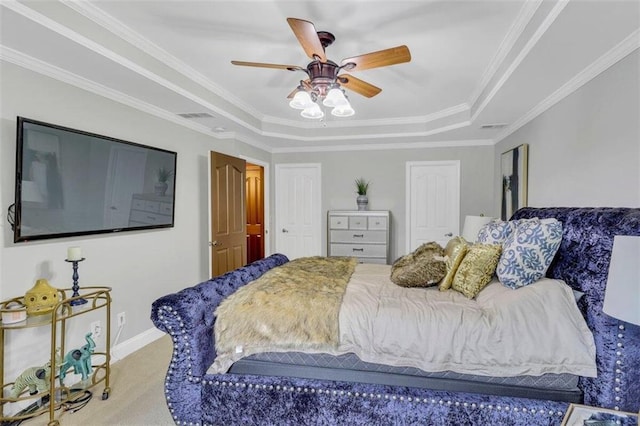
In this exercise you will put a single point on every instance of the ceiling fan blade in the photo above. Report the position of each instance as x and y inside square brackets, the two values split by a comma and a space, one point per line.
[359, 86]
[263, 65]
[307, 35]
[381, 58]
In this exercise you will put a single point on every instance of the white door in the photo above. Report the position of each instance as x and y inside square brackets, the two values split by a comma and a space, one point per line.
[298, 210]
[433, 202]
[125, 178]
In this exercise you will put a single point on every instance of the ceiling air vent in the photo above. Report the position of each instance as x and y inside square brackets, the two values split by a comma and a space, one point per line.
[196, 115]
[494, 126]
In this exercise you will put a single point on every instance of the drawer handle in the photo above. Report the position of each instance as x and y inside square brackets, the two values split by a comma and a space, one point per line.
[358, 235]
[358, 249]
[449, 234]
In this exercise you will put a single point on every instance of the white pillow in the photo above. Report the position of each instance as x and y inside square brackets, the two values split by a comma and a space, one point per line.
[528, 251]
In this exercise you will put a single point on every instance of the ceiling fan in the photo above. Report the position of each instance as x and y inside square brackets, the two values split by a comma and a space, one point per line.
[324, 80]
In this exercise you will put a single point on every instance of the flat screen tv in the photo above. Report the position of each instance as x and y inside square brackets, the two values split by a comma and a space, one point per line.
[71, 182]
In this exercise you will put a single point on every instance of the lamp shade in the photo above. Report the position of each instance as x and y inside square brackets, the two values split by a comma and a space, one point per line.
[301, 100]
[344, 110]
[335, 98]
[472, 225]
[622, 295]
[312, 111]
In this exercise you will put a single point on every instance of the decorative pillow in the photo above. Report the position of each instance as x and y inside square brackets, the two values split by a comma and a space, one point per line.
[423, 267]
[528, 252]
[454, 253]
[477, 269]
[495, 232]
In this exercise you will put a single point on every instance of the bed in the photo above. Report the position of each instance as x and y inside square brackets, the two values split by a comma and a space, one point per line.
[261, 389]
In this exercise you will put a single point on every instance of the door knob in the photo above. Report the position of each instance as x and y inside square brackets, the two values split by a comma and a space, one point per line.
[285, 230]
[449, 234]
[214, 244]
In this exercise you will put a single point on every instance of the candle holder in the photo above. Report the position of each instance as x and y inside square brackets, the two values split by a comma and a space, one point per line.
[76, 287]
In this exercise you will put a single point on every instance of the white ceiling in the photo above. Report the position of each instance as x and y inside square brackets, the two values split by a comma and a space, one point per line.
[474, 62]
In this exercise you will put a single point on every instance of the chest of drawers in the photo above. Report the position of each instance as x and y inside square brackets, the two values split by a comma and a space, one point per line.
[150, 209]
[361, 234]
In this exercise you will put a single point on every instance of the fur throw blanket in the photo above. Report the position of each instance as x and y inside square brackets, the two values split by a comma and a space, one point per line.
[294, 306]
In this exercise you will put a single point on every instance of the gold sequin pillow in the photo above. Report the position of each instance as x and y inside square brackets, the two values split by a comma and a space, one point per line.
[454, 252]
[423, 267]
[476, 269]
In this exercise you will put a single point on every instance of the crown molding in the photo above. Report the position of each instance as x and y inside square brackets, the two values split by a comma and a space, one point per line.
[120, 60]
[527, 11]
[627, 46]
[15, 57]
[544, 26]
[119, 29]
[387, 146]
[447, 112]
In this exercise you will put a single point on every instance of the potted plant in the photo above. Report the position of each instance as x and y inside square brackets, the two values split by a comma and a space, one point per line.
[162, 174]
[362, 186]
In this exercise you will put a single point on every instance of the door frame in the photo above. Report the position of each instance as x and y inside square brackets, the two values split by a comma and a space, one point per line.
[266, 198]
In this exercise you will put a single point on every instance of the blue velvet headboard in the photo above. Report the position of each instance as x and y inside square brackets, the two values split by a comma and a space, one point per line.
[582, 262]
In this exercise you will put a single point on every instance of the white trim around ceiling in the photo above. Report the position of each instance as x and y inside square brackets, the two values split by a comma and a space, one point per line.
[32, 64]
[119, 59]
[525, 15]
[119, 29]
[549, 19]
[620, 51]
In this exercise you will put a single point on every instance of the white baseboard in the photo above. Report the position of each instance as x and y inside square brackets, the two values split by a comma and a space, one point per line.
[131, 345]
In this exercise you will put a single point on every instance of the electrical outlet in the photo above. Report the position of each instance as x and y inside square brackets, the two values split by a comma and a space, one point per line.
[122, 319]
[96, 329]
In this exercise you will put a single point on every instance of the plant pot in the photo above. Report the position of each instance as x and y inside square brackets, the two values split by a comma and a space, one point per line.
[161, 188]
[363, 202]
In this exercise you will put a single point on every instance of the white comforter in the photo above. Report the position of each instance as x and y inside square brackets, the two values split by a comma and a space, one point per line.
[503, 332]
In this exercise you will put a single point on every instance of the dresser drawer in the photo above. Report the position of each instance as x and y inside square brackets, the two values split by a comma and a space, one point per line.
[166, 208]
[357, 222]
[377, 222]
[359, 250]
[149, 218]
[338, 222]
[357, 236]
[379, 260]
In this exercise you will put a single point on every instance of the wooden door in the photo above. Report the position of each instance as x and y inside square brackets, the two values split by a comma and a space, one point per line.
[433, 202]
[298, 210]
[255, 212]
[228, 215]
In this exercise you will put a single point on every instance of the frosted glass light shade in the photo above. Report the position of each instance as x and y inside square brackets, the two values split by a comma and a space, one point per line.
[335, 98]
[312, 111]
[343, 110]
[622, 295]
[301, 100]
[472, 226]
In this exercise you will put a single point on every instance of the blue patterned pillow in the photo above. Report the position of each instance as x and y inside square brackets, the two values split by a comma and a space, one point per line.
[495, 232]
[528, 252]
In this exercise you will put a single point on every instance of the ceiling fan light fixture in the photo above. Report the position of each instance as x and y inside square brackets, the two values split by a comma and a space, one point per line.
[343, 110]
[335, 97]
[313, 111]
[301, 100]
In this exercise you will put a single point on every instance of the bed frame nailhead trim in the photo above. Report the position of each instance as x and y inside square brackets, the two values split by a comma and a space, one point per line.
[620, 365]
[251, 386]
